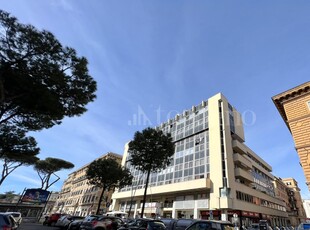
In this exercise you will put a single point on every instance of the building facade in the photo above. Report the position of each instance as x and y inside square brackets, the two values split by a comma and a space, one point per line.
[213, 173]
[294, 107]
[295, 210]
[287, 190]
[306, 204]
[48, 208]
[77, 197]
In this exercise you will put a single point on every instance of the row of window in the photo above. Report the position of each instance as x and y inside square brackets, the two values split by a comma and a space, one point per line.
[258, 201]
[189, 164]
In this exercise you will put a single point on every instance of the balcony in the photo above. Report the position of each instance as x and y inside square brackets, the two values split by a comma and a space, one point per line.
[244, 175]
[238, 147]
[242, 161]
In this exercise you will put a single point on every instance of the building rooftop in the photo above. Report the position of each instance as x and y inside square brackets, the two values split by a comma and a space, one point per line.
[287, 95]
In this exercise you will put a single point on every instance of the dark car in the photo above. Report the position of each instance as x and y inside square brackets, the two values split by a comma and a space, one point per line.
[182, 224]
[98, 222]
[210, 225]
[143, 224]
[7, 222]
[169, 222]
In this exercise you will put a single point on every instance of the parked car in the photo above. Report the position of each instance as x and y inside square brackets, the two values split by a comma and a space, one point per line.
[64, 221]
[169, 222]
[98, 222]
[210, 224]
[7, 222]
[52, 219]
[182, 224]
[144, 224]
[17, 217]
[75, 225]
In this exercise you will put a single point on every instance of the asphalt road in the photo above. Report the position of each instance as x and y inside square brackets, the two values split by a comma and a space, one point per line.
[35, 226]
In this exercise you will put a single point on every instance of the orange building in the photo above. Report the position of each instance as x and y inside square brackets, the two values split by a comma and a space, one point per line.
[294, 107]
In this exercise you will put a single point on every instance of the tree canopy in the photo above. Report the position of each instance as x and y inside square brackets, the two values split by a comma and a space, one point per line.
[107, 173]
[150, 151]
[16, 150]
[48, 167]
[41, 81]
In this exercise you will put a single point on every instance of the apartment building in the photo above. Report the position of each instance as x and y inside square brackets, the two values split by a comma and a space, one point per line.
[287, 190]
[294, 107]
[77, 197]
[50, 203]
[295, 210]
[213, 173]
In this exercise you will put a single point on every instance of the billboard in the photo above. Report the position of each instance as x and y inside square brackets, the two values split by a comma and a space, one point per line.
[35, 195]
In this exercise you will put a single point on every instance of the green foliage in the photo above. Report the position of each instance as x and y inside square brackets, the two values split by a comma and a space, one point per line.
[41, 81]
[51, 165]
[16, 150]
[48, 167]
[8, 196]
[151, 150]
[107, 173]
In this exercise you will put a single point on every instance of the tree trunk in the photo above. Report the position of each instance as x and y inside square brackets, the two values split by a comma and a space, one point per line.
[144, 196]
[100, 200]
[130, 207]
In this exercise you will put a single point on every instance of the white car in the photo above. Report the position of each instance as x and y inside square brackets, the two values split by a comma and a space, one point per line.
[17, 216]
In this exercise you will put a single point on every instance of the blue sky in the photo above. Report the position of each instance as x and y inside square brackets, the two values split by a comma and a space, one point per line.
[161, 57]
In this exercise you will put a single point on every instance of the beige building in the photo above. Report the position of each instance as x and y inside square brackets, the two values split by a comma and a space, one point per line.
[294, 107]
[296, 210]
[77, 197]
[48, 209]
[213, 173]
[287, 190]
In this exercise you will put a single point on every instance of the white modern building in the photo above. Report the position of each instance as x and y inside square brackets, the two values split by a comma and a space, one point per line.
[306, 204]
[213, 173]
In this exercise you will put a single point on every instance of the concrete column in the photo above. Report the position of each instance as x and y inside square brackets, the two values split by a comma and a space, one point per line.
[174, 214]
[136, 209]
[196, 210]
[224, 215]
